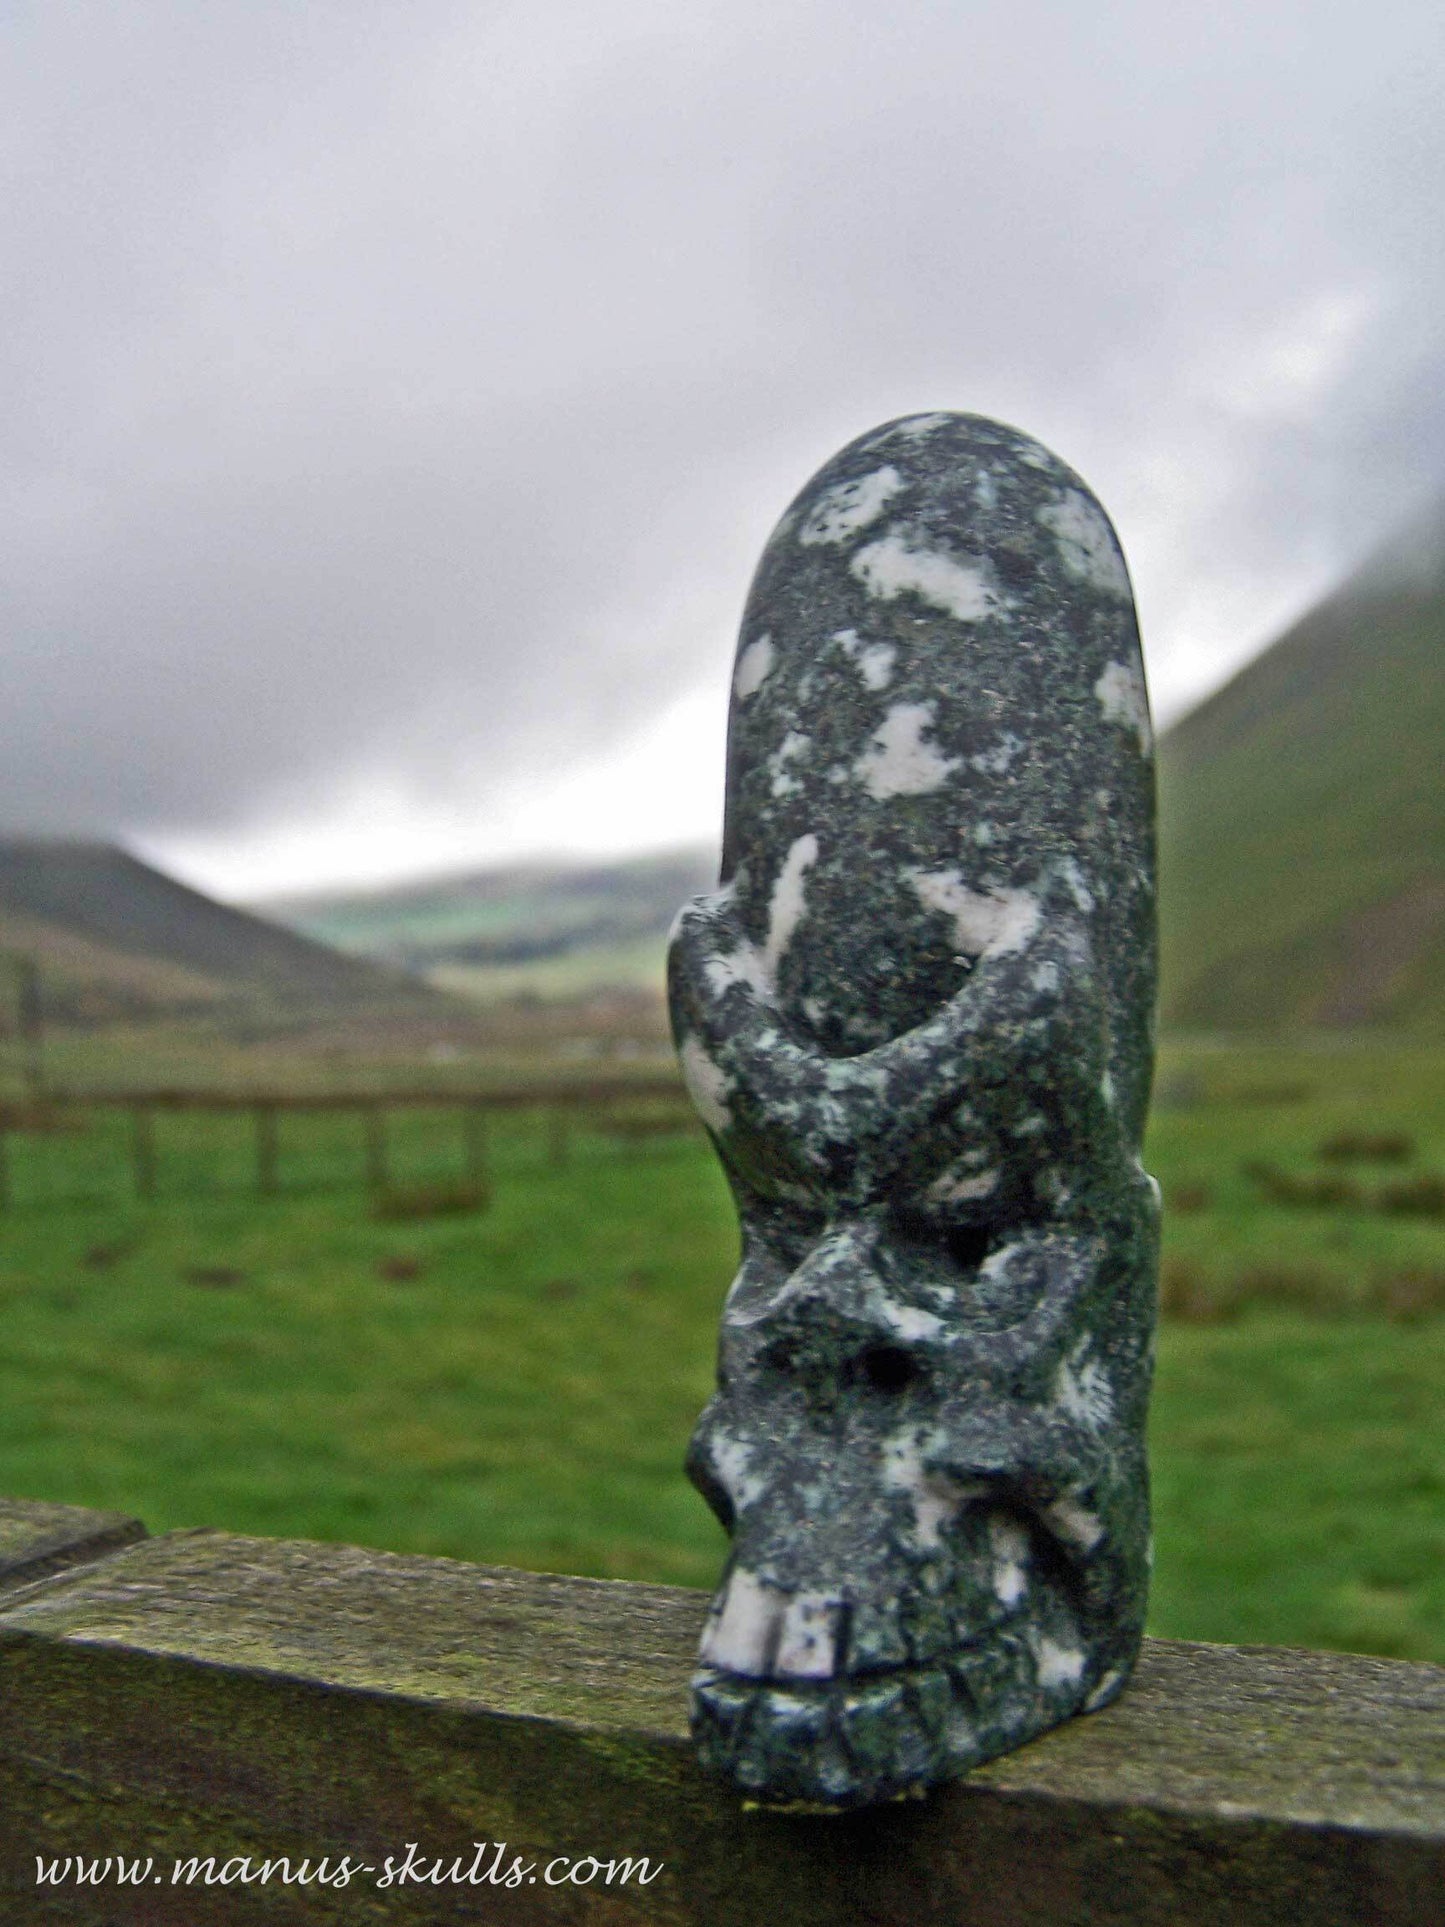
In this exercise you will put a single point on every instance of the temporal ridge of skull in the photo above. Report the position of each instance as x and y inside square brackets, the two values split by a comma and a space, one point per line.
[916, 1018]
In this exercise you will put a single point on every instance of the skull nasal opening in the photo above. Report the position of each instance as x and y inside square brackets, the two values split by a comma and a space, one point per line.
[888, 1368]
[877, 1367]
[969, 1244]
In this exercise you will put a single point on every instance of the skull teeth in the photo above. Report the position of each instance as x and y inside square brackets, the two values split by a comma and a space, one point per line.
[760, 1631]
[808, 1648]
[741, 1634]
[843, 1704]
[854, 1738]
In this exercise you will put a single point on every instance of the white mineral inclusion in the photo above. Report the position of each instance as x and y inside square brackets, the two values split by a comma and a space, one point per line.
[754, 665]
[897, 761]
[1075, 1523]
[787, 905]
[935, 1497]
[910, 1322]
[744, 1635]
[793, 745]
[1087, 547]
[913, 428]
[892, 566]
[997, 1265]
[985, 924]
[1010, 1551]
[708, 1084]
[733, 1460]
[1083, 1390]
[741, 966]
[1104, 1689]
[1058, 1665]
[875, 664]
[873, 660]
[1079, 889]
[849, 506]
[956, 1188]
[1122, 697]
[808, 1646]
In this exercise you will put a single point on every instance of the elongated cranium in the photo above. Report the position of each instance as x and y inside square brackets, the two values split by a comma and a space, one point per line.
[916, 1020]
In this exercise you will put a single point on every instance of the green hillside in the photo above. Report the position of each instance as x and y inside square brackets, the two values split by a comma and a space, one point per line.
[114, 939]
[553, 930]
[1302, 821]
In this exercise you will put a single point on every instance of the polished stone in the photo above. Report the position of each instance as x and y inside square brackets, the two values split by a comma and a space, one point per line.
[916, 1018]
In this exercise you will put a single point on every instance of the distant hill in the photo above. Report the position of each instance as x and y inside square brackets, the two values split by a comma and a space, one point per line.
[563, 928]
[1302, 819]
[1302, 846]
[114, 938]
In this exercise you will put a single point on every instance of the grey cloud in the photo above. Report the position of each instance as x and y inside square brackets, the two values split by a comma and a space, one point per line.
[409, 389]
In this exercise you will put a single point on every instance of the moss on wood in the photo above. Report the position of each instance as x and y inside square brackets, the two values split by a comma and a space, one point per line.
[203, 1693]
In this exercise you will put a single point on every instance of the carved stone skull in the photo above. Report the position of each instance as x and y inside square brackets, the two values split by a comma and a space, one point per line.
[917, 1021]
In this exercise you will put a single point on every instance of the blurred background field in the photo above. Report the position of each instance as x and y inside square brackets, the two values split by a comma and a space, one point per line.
[516, 1382]
[510, 1371]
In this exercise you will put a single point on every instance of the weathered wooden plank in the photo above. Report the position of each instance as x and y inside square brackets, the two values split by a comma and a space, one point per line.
[218, 1695]
[37, 1538]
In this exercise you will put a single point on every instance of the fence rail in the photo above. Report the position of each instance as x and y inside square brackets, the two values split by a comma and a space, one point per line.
[229, 1699]
[617, 1106]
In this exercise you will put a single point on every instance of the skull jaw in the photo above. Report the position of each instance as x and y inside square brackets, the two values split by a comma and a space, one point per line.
[832, 1745]
[894, 1724]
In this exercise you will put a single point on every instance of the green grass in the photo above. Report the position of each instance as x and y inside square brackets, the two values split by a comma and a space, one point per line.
[1220, 1113]
[524, 1398]
[525, 1394]
[1299, 1484]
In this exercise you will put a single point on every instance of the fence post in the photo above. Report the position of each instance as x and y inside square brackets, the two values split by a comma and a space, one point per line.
[474, 1141]
[376, 1147]
[266, 1149]
[30, 1027]
[143, 1149]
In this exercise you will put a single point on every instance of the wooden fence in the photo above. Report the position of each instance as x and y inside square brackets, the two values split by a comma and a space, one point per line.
[628, 1109]
[214, 1705]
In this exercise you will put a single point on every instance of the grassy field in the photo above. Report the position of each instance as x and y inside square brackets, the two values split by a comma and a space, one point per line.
[518, 1383]
[638, 964]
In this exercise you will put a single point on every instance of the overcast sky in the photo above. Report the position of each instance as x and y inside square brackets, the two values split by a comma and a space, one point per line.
[398, 395]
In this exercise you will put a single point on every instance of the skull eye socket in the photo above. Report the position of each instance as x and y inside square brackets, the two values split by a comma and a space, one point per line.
[888, 1368]
[968, 1244]
[965, 1245]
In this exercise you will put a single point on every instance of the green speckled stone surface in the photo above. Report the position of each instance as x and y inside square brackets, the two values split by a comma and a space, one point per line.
[917, 1020]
